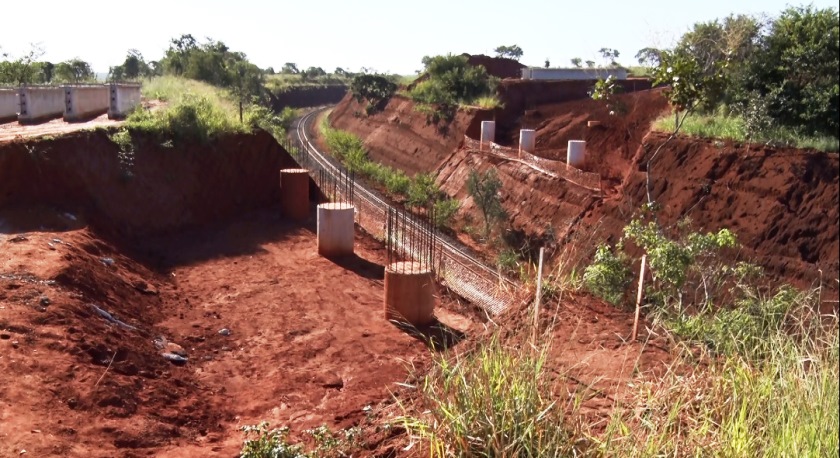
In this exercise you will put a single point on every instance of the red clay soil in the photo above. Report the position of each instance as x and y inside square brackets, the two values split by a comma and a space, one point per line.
[781, 202]
[156, 189]
[401, 137]
[308, 344]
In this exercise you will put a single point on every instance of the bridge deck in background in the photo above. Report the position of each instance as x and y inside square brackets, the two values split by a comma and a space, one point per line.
[13, 131]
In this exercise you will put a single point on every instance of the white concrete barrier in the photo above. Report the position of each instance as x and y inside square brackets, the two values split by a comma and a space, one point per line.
[9, 104]
[38, 103]
[124, 98]
[83, 102]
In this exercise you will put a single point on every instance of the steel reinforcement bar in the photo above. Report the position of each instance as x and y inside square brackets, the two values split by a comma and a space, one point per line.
[453, 264]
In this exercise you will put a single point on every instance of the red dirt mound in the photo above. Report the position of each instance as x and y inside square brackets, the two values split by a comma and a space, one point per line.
[402, 137]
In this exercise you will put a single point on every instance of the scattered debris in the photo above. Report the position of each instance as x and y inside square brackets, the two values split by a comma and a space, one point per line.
[175, 359]
[145, 288]
[107, 261]
[111, 318]
[224, 331]
[45, 301]
[18, 238]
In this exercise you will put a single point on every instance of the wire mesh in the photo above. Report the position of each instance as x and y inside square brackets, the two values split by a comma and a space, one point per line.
[408, 237]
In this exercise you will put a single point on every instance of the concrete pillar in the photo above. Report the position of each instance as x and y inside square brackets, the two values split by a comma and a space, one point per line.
[9, 104]
[85, 102]
[409, 294]
[576, 153]
[294, 194]
[488, 134]
[335, 229]
[40, 103]
[527, 141]
[124, 99]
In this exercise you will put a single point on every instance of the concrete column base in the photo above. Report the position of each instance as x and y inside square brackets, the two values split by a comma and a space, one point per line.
[576, 154]
[294, 196]
[409, 294]
[335, 229]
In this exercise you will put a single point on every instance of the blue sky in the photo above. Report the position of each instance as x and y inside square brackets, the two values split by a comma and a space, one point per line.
[385, 35]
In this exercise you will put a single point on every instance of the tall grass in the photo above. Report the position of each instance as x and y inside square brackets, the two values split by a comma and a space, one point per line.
[493, 402]
[732, 127]
[197, 111]
[781, 398]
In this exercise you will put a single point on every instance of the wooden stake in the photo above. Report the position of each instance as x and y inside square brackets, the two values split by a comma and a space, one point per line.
[539, 295]
[639, 298]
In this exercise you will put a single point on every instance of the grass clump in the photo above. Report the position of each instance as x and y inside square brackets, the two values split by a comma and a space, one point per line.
[492, 402]
[777, 398]
[420, 192]
[735, 127]
[197, 111]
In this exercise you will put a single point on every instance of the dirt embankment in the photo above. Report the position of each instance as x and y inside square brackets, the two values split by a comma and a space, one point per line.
[781, 202]
[307, 96]
[402, 137]
[155, 189]
[197, 263]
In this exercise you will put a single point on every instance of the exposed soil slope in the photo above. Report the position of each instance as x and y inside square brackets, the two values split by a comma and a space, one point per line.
[402, 137]
[782, 203]
[154, 189]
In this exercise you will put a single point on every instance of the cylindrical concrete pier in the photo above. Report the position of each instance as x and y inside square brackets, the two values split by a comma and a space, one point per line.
[527, 141]
[488, 134]
[335, 229]
[294, 193]
[409, 293]
[576, 154]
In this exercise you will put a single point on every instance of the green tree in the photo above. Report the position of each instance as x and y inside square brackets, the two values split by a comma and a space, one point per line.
[372, 88]
[610, 55]
[74, 71]
[649, 57]
[723, 48]
[484, 189]
[47, 69]
[246, 83]
[452, 80]
[511, 52]
[797, 70]
[23, 69]
[577, 62]
[289, 68]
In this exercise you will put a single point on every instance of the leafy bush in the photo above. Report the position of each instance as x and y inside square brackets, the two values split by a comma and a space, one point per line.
[445, 211]
[262, 442]
[452, 81]
[277, 124]
[484, 189]
[375, 89]
[609, 275]
[192, 117]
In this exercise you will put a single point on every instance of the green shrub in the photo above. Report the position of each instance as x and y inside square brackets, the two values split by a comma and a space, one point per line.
[262, 442]
[609, 275]
[445, 211]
